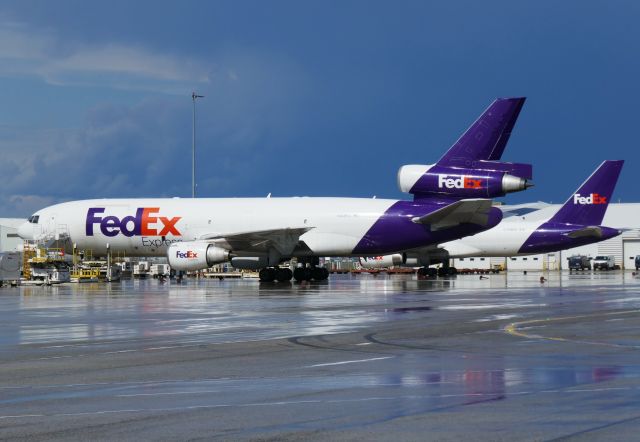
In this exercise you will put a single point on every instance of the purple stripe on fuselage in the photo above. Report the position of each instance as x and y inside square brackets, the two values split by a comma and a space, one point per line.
[394, 231]
[551, 237]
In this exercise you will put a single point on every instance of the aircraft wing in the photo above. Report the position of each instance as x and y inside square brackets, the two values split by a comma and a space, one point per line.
[284, 240]
[474, 211]
[590, 231]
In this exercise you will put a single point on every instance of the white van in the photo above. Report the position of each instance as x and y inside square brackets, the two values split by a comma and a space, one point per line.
[604, 262]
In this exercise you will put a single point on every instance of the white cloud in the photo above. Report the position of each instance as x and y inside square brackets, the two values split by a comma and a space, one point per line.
[251, 111]
[23, 205]
[25, 51]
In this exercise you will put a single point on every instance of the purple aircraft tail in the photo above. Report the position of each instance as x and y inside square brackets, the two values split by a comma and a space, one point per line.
[471, 168]
[487, 137]
[589, 203]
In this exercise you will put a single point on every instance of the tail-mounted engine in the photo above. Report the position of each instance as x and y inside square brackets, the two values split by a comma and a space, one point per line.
[483, 179]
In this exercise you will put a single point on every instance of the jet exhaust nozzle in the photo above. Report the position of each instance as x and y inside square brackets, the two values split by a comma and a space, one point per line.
[511, 183]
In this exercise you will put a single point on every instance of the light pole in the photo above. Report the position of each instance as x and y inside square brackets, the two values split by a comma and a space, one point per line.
[193, 146]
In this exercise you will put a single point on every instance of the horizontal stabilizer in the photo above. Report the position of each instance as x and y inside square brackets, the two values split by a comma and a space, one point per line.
[589, 231]
[472, 211]
[284, 240]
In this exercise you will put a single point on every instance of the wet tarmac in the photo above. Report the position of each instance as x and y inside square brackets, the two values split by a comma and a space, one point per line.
[354, 358]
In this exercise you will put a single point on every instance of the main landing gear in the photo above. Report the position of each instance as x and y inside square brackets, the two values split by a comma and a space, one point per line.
[284, 274]
[431, 272]
[309, 273]
[270, 274]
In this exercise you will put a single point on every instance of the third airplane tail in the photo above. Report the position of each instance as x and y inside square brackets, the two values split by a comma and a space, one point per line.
[589, 203]
[471, 168]
[487, 137]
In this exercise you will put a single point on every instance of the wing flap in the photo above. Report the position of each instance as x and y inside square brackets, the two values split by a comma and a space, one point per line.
[473, 211]
[283, 240]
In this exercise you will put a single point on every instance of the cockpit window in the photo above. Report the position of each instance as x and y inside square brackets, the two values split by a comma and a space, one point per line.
[33, 219]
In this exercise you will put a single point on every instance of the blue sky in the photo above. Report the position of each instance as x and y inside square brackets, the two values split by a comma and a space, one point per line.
[304, 98]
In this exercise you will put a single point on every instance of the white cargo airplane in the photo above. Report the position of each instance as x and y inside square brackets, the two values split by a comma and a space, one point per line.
[525, 230]
[451, 200]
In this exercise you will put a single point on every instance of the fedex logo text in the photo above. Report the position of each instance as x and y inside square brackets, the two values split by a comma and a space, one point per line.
[188, 254]
[593, 198]
[143, 223]
[459, 182]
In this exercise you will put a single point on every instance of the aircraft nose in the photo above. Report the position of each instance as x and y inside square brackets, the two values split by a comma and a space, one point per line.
[25, 231]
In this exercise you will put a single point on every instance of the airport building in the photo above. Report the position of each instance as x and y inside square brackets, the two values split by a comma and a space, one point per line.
[624, 248]
[9, 239]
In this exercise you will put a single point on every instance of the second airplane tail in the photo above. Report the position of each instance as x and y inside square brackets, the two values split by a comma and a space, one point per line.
[588, 204]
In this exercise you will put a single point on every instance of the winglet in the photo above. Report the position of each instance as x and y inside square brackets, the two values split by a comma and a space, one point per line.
[589, 203]
[487, 137]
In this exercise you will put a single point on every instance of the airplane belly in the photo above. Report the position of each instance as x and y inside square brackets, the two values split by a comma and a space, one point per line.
[329, 244]
[501, 242]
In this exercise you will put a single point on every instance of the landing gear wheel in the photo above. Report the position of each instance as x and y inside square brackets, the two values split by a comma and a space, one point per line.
[302, 274]
[317, 273]
[267, 275]
[427, 272]
[325, 273]
[284, 274]
[442, 271]
[451, 271]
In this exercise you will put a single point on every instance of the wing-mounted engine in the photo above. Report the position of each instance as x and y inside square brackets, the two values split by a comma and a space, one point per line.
[482, 179]
[414, 258]
[382, 262]
[411, 259]
[251, 250]
[195, 255]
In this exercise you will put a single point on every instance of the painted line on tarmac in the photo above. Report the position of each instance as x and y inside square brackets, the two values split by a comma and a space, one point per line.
[515, 328]
[300, 402]
[357, 361]
[168, 393]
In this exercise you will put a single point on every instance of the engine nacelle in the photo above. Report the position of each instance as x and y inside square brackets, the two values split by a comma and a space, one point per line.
[195, 255]
[458, 182]
[401, 260]
[382, 262]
